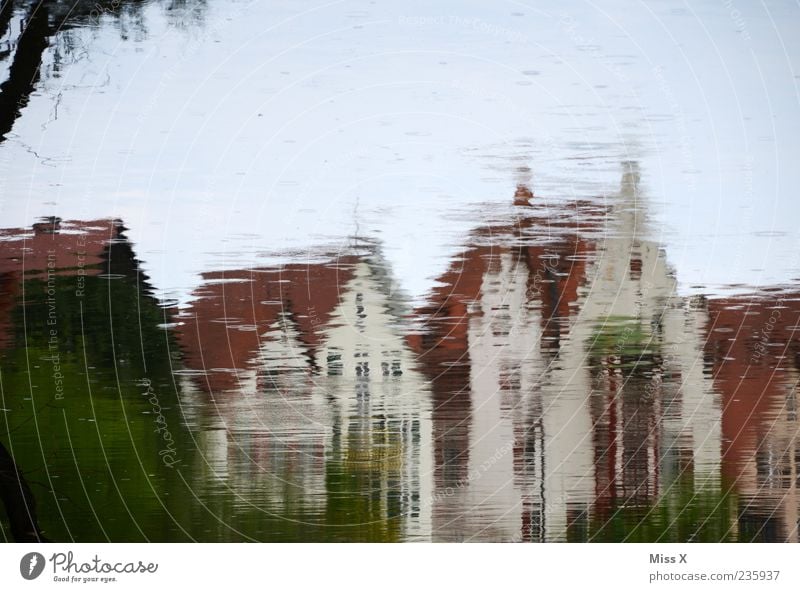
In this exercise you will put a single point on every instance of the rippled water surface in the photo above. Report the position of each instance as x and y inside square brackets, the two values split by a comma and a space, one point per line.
[285, 271]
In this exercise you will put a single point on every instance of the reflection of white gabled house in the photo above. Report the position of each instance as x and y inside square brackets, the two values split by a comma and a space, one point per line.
[504, 337]
[521, 396]
[241, 436]
[626, 284]
[381, 406]
[631, 295]
[698, 410]
[544, 405]
[630, 276]
[523, 406]
[341, 394]
[282, 353]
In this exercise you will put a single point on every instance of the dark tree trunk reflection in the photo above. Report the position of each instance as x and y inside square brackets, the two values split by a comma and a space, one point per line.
[18, 501]
[41, 21]
[24, 71]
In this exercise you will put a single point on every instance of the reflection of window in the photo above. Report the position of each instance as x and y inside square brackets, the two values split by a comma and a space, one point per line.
[766, 465]
[758, 526]
[577, 522]
[362, 387]
[453, 463]
[636, 266]
[414, 512]
[334, 362]
[360, 315]
[791, 405]
[391, 367]
[797, 466]
[510, 377]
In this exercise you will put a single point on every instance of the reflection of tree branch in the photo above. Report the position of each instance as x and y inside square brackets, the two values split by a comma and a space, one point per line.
[24, 71]
[49, 161]
[19, 502]
[46, 19]
[6, 10]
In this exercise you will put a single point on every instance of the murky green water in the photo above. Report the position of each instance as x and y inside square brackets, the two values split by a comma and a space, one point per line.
[534, 359]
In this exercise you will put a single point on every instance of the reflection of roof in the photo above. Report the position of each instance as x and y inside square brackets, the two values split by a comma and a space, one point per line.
[221, 331]
[65, 247]
[58, 243]
[556, 270]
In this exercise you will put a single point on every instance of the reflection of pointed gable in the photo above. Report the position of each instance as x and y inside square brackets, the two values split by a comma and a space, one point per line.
[556, 271]
[363, 333]
[221, 331]
[443, 344]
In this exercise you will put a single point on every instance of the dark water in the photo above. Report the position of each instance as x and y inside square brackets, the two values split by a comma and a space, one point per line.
[556, 380]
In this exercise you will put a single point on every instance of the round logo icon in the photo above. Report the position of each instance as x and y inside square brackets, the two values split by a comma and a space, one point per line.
[31, 565]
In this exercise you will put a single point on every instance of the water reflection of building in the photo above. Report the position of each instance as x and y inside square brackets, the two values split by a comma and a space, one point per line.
[753, 353]
[221, 332]
[315, 393]
[556, 381]
[656, 420]
[553, 350]
[494, 332]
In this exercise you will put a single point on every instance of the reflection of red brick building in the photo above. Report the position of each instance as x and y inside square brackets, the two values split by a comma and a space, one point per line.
[753, 353]
[553, 252]
[556, 270]
[752, 349]
[221, 331]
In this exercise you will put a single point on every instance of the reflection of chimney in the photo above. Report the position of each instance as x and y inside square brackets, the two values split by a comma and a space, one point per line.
[47, 225]
[630, 178]
[629, 210]
[523, 196]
